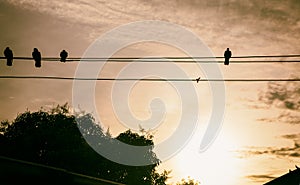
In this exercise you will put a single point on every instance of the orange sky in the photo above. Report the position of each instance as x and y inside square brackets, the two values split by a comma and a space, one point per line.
[252, 27]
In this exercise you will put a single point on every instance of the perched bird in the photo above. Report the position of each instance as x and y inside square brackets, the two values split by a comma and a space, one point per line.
[9, 56]
[227, 56]
[63, 55]
[36, 55]
[198, 79]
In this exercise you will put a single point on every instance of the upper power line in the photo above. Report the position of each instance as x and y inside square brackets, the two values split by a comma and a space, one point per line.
[157, 60]
[153, 58]
[63, 57]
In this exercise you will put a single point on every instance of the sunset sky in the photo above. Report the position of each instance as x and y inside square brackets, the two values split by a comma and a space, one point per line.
[255, 143]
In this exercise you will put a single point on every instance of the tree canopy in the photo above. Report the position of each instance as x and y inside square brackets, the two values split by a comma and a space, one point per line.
[188, 181]
[60, 139]
[55, 138]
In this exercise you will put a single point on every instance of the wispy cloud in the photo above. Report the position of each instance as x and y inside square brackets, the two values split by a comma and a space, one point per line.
[292, 151]
[284, 96]
[290, 117]
[93, 13]
[263, 25]
[260, 178]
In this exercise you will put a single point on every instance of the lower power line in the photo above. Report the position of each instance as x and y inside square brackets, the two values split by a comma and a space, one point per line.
[149, 79]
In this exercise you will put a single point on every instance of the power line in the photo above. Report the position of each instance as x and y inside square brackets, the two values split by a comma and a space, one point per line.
[41, 167]
[193, 61]
[156, 58]
[182, 61]
[148, 79]
[147, 60]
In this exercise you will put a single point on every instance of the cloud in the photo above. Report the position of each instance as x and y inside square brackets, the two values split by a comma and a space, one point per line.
[250, 26]
[289, 117]
[258, 23]
[93, 13]
[291, 136]
[293, 151]
[260, 178]
[284, 96]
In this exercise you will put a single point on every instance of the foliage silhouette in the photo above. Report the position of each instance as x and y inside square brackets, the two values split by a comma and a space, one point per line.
[54, 138]
[188, 181]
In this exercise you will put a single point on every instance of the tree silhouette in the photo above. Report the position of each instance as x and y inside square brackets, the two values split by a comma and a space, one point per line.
[141, 174]
[55, 138]
[188, 181]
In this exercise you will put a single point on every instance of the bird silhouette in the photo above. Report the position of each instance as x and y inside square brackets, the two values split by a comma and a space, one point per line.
[9, 56]
[36, 55]
[227, 56]
[63, 55]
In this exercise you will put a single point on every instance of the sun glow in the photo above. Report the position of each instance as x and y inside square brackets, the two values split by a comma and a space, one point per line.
[217, 165]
